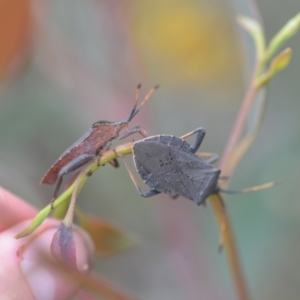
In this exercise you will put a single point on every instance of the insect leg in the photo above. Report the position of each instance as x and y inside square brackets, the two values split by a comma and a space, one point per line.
[106, 147]
[136, 129]
[114, 163]
[213, 157]
[200, 135]
[59, 182]
[71, 166]
[146, 194]
[224, 177]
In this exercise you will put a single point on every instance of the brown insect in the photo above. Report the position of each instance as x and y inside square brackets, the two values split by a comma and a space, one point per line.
[97, 139]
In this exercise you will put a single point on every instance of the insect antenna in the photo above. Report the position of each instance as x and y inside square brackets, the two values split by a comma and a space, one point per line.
[251, 189]
[135, 110]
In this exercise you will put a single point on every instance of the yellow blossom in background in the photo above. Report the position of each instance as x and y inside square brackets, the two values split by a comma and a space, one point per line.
[184, 42]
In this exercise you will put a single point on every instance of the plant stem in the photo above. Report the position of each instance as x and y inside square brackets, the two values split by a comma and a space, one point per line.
[231, 249]
[239, 124]
[229, 241]
[68, 220]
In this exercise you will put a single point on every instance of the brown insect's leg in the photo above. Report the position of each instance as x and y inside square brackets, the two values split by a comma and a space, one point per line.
[59, 182]
[71, 166]
[136, 129]
[106, 147]
[114, 163]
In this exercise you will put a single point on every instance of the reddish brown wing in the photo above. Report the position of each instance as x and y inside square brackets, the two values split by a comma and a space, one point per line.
[86, 144]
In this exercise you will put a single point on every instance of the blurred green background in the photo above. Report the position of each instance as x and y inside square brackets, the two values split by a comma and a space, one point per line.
[66, 64]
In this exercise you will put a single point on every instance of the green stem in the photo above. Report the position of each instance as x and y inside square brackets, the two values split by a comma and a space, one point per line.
[106, 157]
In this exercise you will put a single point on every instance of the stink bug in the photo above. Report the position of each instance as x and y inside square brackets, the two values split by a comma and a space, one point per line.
[92, 143]
[170, 165]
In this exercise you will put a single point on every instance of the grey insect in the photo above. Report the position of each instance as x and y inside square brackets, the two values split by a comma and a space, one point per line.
[92, 144]
[168, 164]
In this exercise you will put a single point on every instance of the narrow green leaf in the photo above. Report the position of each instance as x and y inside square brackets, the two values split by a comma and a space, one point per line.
[287, 31]
[256, 31]
[35, 223]
[278, 63]
[44, 213]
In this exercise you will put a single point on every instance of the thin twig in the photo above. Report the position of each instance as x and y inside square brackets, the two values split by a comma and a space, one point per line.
[227, 168]
[239, 124]
[255, 11]
[77, 185]
[231, 249]
[229, 241]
